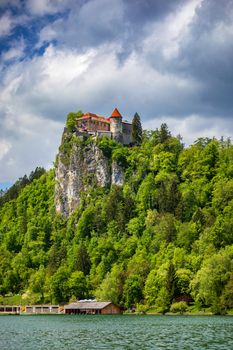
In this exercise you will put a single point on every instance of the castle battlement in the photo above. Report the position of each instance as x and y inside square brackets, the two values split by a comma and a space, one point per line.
[113, 126]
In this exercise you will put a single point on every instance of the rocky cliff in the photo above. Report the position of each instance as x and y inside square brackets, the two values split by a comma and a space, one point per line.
[81, 164]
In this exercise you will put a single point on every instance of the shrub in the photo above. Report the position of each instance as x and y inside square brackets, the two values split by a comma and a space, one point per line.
[106, 145]
[180, 307]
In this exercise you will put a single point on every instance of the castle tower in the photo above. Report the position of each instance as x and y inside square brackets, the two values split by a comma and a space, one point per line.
[116, 125]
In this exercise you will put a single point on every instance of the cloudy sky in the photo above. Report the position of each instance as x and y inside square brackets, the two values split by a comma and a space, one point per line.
[171, 61]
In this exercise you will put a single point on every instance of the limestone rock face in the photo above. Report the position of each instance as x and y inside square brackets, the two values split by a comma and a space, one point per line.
[78, 169]
[117, 175]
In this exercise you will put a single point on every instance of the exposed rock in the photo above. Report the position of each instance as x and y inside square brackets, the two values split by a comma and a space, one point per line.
[79, 168]
[117, 174]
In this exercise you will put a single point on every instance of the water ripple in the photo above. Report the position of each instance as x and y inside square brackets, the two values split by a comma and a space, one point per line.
[116, 332]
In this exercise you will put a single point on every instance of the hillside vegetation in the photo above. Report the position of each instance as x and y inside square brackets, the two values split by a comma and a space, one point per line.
[168, 232]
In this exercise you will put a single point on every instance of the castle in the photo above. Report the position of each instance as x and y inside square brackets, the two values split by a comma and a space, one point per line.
[113, 127]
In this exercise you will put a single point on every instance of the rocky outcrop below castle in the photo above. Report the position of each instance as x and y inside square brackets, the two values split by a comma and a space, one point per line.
[81, 165]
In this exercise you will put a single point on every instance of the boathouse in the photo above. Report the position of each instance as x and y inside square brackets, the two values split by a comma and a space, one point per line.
[42, 309]
[92, 308]
[10, 309]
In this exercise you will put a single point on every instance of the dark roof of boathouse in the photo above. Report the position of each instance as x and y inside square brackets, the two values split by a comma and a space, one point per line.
[93, 305]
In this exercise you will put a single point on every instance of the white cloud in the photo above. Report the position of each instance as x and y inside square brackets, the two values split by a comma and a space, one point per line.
[192, 127]
[87, 24]
[45, 85]
[6, 24]
[33, 142]
[5, 147]
[166, 37]
[43, 7]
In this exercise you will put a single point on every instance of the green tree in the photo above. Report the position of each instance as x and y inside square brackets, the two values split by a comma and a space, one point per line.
[164, 133]
[159, 287]
[37, 282]
[111, 287]
[59, 285]
[210, 280]
[77, 284]
[226, 299]
[183, 278]
[136, 130]
[85, 223]
[133, 290]
[71, 120]
[83, 262]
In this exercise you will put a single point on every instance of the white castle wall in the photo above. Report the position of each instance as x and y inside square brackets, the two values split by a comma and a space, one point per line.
[116, 128]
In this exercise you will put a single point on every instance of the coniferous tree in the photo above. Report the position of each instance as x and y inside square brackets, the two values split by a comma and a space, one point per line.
[136, 129]
[164, 133]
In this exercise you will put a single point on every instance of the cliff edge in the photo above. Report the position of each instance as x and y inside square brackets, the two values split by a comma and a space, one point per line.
[81, 165]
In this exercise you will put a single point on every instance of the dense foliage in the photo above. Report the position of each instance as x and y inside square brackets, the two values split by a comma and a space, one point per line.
[14, 190]
[167, 233]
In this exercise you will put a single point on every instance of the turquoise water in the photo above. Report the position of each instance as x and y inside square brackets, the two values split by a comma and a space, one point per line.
[115, 332]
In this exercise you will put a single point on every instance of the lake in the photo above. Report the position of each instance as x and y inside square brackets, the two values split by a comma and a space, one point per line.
[37, 332]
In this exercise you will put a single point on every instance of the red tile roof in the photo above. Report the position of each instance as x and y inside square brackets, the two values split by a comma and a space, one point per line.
[93, 116]
[115, 113]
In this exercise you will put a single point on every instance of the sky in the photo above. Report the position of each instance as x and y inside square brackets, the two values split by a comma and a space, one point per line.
[171, 61]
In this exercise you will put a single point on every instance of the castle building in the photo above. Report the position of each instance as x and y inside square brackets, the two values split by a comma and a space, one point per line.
[113, 127]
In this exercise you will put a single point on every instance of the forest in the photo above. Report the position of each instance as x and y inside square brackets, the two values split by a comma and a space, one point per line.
[163, 241]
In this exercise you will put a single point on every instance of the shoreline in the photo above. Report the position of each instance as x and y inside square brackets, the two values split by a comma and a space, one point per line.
[188, 314]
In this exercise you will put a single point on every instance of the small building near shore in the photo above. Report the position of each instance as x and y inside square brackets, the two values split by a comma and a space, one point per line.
[42, 309]
[10, 309]
[92, 308]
